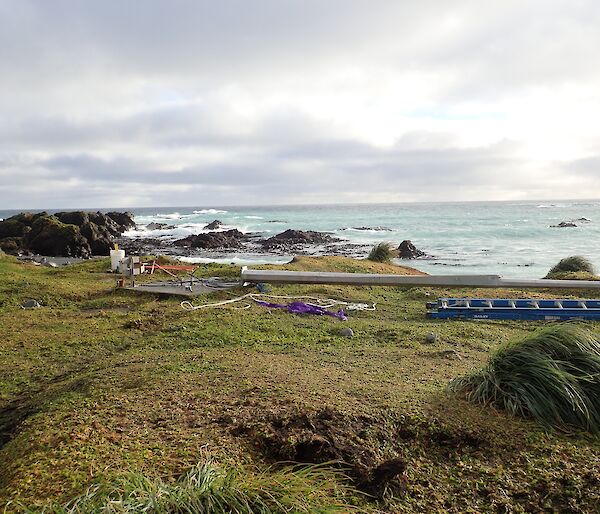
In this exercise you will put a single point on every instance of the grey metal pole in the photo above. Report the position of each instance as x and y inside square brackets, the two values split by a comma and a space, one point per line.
[324, 277]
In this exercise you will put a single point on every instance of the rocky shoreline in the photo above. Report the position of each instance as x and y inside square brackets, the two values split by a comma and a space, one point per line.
[219, 243]
[84, 234]
[63, 234]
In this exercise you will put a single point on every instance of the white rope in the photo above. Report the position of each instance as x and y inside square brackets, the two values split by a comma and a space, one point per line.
[324, 303]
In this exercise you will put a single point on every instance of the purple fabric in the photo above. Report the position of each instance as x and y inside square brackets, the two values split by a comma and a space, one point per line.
[304, 308]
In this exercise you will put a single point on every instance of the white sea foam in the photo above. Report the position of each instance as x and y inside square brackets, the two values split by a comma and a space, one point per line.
[254, 217]
[210, 211]
[169, 216]
[240, 259]
[367, 230]
[551, 205]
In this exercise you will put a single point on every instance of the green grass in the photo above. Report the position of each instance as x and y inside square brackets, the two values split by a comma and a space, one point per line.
[210, 488]
[575, 264]
[552, 376]
[101, 384]
[381, 252]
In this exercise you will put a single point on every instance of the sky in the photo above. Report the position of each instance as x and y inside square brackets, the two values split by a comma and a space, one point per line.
[236, 102]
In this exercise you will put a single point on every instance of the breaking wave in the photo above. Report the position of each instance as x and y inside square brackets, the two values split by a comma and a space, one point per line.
[210, 211]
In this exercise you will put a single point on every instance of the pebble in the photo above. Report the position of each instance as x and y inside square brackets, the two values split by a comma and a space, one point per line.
[30, 304]
[346, 332]
[431, 338]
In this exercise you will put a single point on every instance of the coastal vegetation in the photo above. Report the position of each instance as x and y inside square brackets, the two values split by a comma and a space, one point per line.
[381, 252]
[113, 398]
[575, 267]
[552, 376]
[208, 488]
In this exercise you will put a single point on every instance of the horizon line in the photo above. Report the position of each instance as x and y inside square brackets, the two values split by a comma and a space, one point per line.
[341, 204]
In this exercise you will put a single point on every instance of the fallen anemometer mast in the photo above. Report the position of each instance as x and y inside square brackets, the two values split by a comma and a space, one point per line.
[369, 279]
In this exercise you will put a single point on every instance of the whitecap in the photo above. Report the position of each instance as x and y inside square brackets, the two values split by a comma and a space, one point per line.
[210, 211]
[254, 217]
[170, 216]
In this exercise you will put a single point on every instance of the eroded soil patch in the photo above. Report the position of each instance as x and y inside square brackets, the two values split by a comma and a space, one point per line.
[374, 450]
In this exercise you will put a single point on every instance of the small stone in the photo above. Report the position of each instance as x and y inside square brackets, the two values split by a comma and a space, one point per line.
[31, 304]
[346, 332]
[431, 338]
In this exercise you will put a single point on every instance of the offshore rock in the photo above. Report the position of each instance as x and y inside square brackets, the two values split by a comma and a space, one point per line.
[295, 237]
[159, 226]
[407, 250]
[227, 239]
[214, 225]
[564, 224]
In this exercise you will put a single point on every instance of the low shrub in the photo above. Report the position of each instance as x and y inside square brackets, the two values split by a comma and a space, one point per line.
[381, 252]
[552, 376]
[573, 264]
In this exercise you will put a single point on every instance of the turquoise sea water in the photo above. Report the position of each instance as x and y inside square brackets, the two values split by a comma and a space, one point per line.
[512, 239]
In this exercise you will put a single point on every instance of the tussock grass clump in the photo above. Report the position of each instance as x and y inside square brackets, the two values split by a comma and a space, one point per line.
[552, 376]
[573, 264]
[381, 252]
[208, 488]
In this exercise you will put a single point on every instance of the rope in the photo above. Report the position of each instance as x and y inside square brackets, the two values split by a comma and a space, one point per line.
[324, 303]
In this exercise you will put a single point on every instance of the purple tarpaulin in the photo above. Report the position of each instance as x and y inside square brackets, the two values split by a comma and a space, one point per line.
[304, 308]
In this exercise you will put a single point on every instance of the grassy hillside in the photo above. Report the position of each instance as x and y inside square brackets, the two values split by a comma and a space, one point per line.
[101, 382]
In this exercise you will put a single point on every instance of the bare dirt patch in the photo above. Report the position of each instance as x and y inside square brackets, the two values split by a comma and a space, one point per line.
[373, 450]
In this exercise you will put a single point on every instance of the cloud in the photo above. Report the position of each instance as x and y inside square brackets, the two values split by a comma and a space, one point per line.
[287, 101]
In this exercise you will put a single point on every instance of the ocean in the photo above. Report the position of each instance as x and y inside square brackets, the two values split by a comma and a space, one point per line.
[511, 239]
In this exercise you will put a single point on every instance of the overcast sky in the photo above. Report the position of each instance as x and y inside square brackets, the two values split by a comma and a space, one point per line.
[157, 103]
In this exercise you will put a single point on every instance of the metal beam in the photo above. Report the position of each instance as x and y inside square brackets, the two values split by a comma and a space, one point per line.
[324, 277]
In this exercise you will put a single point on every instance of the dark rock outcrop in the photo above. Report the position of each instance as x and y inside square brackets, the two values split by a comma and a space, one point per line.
[227, 239]
[114, 228]
[564, 224]
[298, 237]
[97, 228]
[407, 250]
[214, 225]
[124, 220]
[50, 236]
[12, 228]
[159, 226]
[11, 245]
[64, 234]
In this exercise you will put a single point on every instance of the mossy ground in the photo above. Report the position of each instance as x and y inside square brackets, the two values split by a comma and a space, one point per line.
[101, 381]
